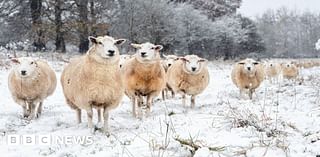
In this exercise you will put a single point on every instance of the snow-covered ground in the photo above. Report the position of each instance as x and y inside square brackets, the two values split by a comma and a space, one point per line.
[282, 120]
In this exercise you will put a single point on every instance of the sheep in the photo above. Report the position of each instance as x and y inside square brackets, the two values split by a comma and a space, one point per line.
[94, 80]
[30, 82]
[123, 59]
[188, 76]
[272, 70]
[144, 76]
[247, 74]
[166, 63]
[289, 71]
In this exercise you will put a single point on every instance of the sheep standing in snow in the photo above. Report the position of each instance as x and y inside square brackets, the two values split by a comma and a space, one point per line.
[30, 82]
[94, 80]
[247, 75]
[188, 76]
[166, 63]
[289, 71]
[144, 76]
[272, 71]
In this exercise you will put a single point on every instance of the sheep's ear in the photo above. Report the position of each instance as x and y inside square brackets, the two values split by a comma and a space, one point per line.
[119, 41]
[15, 60]
[203, 60]
[165, 56]
[93, 39]
[137, 46]
[183, 59]
[158, 47]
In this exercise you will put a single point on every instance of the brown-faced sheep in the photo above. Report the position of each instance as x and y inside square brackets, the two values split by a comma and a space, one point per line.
[30, 82]
[94, 80]
[166, 63]
[144, 76]
[289, 71]
[247, 75]
[188, 76]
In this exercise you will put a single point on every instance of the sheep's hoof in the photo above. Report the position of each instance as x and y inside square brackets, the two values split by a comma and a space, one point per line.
[99, 125]
[37, 115]
[25, 115]
[107, 133]
[30, 117]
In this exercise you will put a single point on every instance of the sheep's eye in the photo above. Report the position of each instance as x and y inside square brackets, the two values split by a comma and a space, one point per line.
[32, 63]
[100, 43]
[152, 48]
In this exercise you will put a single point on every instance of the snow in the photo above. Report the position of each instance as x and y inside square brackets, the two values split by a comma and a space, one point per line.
[282, 119]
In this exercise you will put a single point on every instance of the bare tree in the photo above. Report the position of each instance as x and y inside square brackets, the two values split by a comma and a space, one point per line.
[60, 42]
[38, 37]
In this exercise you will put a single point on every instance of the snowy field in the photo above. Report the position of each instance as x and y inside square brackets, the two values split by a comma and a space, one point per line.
[282, 120]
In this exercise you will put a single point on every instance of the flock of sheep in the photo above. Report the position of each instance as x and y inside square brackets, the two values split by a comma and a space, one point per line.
[101, 77]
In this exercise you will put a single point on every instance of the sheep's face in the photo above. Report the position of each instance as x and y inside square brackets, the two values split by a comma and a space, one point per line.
[106, 48]
[147, 52]
[169, 60]
[123, 59]
[271, 65]
[193, 64]
[249, 66]
[24, 66]
[288, 65]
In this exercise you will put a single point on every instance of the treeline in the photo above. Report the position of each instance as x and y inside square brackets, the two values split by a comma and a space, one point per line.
[209, 28]
[289, 33]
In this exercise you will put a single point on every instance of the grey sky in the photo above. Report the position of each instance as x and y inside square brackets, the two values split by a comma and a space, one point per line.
[251, 8]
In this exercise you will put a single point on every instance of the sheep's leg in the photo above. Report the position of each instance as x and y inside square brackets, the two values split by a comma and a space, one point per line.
[90, 114]
[99, 114]
[39, 110]
[193, 97]
[172, 94]
[140, 104]
[184, 100]
[78, 113]
[106, 118]
[250, 93]
[149, 104]
[241, 93]
[33, 111]
[163, 94]
[26, 112]
[134, 104]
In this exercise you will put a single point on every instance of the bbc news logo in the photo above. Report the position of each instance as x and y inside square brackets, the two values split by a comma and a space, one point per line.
[30, 140]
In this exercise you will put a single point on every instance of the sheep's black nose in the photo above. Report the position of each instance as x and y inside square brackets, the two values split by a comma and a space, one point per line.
[249, 68]
[143, 54]
[111, 52]
[169, 64]
[23, 72]
[193, 69]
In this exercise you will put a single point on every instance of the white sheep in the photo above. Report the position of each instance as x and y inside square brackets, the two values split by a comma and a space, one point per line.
[247, 75]
[30, 82]
[289, 71]
[144, 76]
[94, 80]
[188, 76]
[166, 63]
[272, 71]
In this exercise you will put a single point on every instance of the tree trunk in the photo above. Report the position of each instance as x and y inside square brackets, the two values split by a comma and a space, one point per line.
[83, 26]
[60, 43]
[39, 38]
